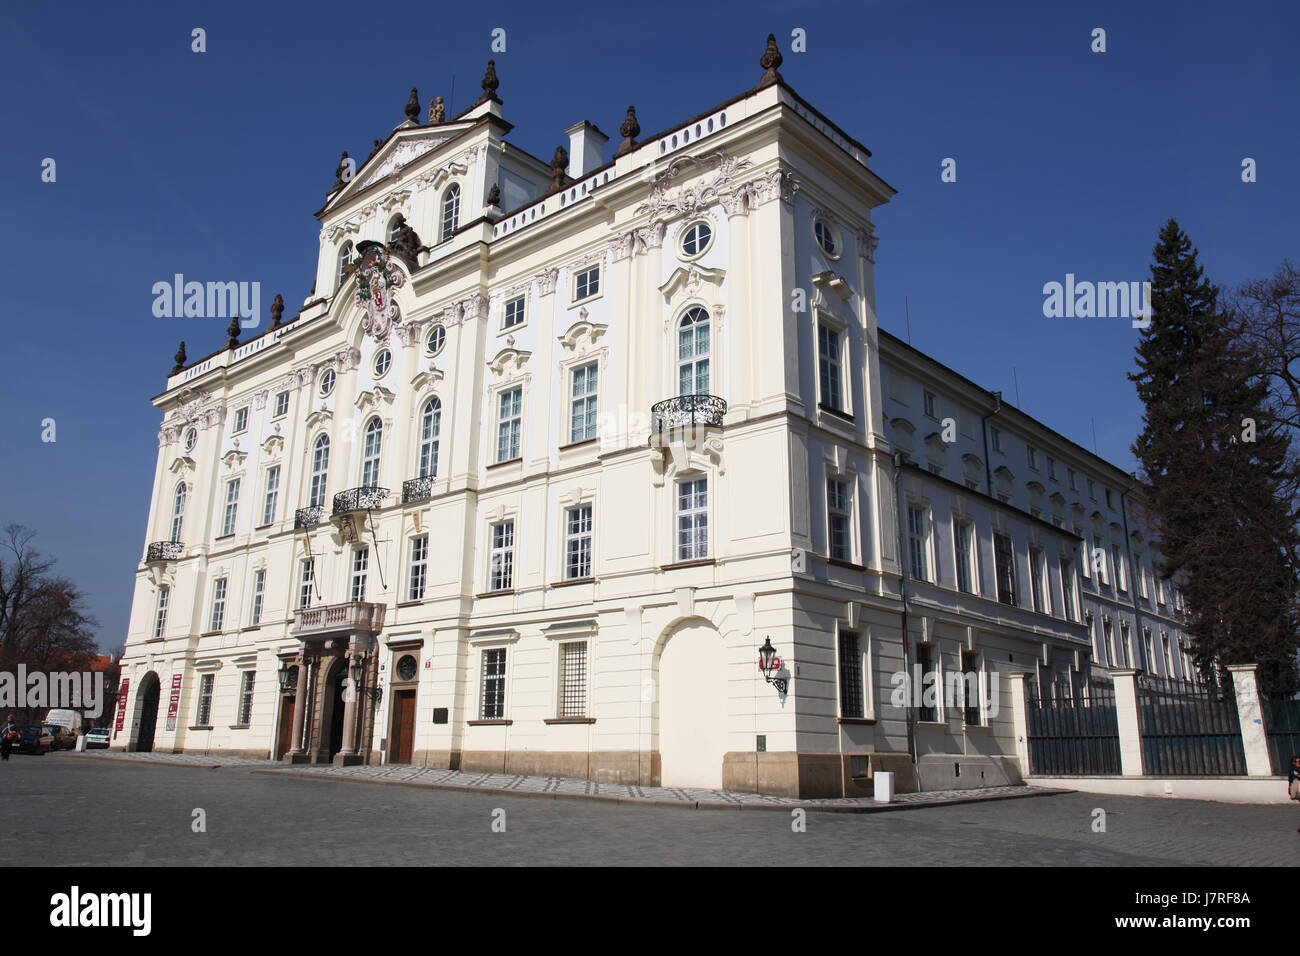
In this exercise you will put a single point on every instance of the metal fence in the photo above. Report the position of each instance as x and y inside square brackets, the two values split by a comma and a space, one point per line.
[1189, 729]
[1282, 725]
[1074, 735]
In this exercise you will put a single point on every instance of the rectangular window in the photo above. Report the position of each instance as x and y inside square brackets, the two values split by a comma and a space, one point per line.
[492, 703]
[1160, 591]
[850, 676]
[1005, 567]
[1109, 633]
[573, 679]
[692, 519]
[1092, 489]
[587, 283]
[360, 564]
[1051, 468]
[246, 697]
[204, 714]
[259, 591]
[1099, 560]
[160, 612]
[218, 605]
[501, 568]
[1086, 564]
[241, 420]
[577, 543]
[281, 405]
[1124, 643]
[1169, 655]
[917, 542]
[927, 401]
[272, 494]
[583, 404]
[962, 534]
[514, 313]
[1073, 479]
[1033, 457]
[306, 581]
[829, 359]
[930, 688]
[1067, 588]
[1140, 572]
[509, 423]
[232, 507]
[419, 566]
[972, 712]
[995, 437]
[1121, 571]
[838, 513]
[1038, 575]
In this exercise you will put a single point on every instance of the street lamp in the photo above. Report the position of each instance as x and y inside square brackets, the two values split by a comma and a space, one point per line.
[769, 664]
[288, 677]
[356, 671]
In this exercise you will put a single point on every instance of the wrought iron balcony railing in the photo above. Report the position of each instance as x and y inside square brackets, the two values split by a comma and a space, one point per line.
[417, 489]
[687, 411]
[354, 617]
[308, 517]
[165, 551]
[359, 499]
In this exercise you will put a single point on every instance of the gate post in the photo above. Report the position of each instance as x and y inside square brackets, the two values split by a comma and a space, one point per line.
[1020, 720]
[1126, 713]
[1250, 717]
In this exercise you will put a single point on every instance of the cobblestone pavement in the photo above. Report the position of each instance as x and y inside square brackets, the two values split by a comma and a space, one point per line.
[76, 811]
[568, 787]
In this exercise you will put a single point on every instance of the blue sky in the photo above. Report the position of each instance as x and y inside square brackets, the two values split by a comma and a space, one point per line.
[211, 164]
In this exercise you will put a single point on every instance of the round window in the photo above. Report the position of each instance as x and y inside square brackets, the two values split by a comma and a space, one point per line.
[696, 238]
[383, 360]
[406, 668]
[191, 439]
[327, 381]
[437, 337]
[826, 237]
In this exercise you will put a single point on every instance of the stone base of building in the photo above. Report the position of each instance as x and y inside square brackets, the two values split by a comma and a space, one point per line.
[810, 775]
[961, 772]
[348, 760]
[602, 766]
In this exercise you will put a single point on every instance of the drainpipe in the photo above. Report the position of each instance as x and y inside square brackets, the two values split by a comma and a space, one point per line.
[984, 429]
[1132, 585]
[902, 590]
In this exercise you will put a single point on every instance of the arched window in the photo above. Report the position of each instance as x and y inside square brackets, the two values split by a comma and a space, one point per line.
[450, 211]
[370, 453]
[693, 353]
[178, 511]
[392, 229]
[345, 256]
[320, 466]
[430, 424]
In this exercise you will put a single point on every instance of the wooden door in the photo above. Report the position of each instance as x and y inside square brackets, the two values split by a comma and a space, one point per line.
[403, 729]
[284, 744]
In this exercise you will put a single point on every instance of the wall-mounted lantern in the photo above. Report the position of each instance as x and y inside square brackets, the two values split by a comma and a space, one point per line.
[769, 664]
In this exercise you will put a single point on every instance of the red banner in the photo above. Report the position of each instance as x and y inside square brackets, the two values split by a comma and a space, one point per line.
[174, 704]
[121, 704]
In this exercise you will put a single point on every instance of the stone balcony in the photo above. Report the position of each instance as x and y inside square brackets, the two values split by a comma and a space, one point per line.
[338, 620]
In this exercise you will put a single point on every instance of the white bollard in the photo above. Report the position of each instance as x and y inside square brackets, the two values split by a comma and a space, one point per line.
[884, 789]
[81, 742]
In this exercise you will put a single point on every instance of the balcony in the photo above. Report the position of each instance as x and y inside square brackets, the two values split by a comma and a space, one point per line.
[417, 489]
[365, 498]
[164, 551]
[354, 617]
[685, 417]
[308, 517]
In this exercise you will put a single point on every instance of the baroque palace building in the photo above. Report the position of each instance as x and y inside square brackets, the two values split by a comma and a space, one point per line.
[529, 493]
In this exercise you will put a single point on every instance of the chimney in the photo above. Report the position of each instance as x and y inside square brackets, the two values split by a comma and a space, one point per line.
[586, 148]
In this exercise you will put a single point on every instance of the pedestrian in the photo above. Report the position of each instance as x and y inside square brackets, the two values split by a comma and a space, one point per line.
[1293, 781]
[9, 735]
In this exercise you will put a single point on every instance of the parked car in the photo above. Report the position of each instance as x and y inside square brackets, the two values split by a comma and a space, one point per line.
[64, 738]
[98, 737]
[35, 739]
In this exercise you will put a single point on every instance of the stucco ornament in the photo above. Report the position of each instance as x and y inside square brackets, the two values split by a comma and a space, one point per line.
[663, 204]
[377, 279]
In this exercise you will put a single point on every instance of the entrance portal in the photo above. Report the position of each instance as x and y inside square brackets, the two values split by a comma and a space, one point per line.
[402, 731]
[334, 695]
[693, 708]
[148, 713]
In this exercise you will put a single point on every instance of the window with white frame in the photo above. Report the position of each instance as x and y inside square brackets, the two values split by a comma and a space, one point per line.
[360, 565]
[510, 417]
[927, 404]
[1051, 468]
[241, 420]
[320, 465]
[583, 403]
[492, 697]
[232, 507]
[259, 592]
[306, 581]
[514, 314]
[839, 518]
[1124, 643]
[247, 680]
[341, 271]
[972, 704]
[573, 679]
[218, 616]
[1067, 589]
[1038, 573]
[203, 715]
[693, 349]
[1092, 489]
[281, 405]
[419, 567]
[963, 535]
[160, 611]
[1109, 633]
[450, 211]
[1149, 650]
[272, 494]
[501, 559]
[1140, 572]
[430, 426]
[829, 365]
[692, 519]
[851, 696]
[1121, 568]
[1032, 455]
[372, 447]
[1074, 481]
[995, 437]
[577, 543]
[917, 542]
[1168, 652]
[1005, 568]
[586, 283]
[178, 511]
[931, 687]
[1099, 559]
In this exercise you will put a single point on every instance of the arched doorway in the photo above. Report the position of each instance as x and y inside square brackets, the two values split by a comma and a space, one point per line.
[693, 707]
[334, 697]
[148, 719]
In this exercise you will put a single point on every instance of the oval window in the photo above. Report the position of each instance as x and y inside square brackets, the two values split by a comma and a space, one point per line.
[696, 238]
[406, 668]
[435, 341]
[826, 237]
[383, 359]
[327, 381]
[191, 439]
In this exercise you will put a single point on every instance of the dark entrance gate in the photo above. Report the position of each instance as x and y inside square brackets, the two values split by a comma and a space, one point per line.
[334, 694]
[1074, 735]
[1282, 725]
[148, 714]
[1189, 729]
